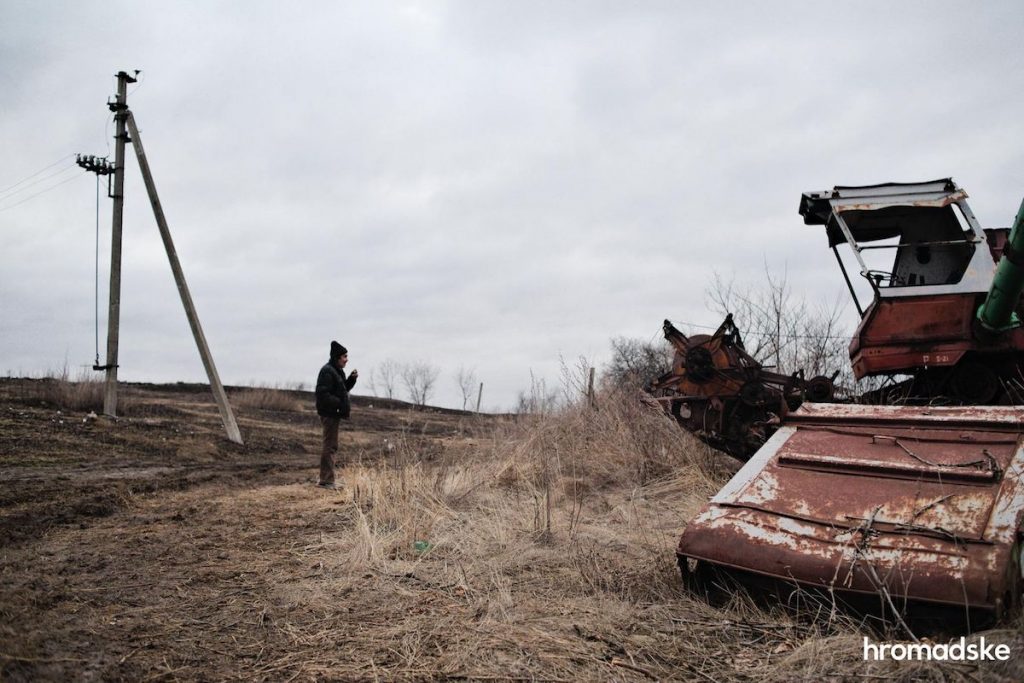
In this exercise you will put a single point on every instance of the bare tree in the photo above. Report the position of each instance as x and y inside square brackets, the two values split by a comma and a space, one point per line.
[783, 331]
[466, 379]
[575, 378]
[419, 379]
[385, 377]
[539, 400]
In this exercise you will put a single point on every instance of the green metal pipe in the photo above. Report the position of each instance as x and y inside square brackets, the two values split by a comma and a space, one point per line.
[997, 313]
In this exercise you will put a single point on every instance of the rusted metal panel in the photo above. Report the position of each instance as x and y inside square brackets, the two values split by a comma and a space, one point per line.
[922, 332]
[926, 503]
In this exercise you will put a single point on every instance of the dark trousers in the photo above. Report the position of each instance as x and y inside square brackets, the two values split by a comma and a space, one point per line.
[330, 449]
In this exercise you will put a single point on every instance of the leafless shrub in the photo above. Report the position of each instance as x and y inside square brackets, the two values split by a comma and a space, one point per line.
[635, 362]
[384, 378]
[466, 381]
[575, 379]
[538, 399]
[419, 378]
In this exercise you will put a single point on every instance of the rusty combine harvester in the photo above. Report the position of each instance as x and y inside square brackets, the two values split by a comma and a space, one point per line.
[918, 504]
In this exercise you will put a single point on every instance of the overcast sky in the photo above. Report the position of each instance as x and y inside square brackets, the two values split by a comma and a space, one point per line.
[492, 185]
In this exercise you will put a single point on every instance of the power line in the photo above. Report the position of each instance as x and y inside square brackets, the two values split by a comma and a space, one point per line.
[36, 173]
[52, 187]
[765, 335]
[36, 182]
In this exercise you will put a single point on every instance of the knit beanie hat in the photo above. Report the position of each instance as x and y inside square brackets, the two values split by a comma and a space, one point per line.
[337, 350]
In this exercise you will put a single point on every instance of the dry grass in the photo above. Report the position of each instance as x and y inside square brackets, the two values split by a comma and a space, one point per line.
[534, 549]
[58, 390]
[266, 398]
[549, 548]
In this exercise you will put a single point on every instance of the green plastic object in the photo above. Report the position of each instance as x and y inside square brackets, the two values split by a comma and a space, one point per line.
[996, 314]
[421, 546]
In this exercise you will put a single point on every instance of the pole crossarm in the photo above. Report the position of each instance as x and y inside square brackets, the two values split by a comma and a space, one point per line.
[94, 164]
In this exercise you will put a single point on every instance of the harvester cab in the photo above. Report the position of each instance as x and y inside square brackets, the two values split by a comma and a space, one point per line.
[925, 235]
[928, 266]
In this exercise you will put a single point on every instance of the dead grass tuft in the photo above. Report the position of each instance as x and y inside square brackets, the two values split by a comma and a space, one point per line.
[58, 390]
[266, 398]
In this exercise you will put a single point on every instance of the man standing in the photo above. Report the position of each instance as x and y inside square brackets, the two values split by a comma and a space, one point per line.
[333, 406]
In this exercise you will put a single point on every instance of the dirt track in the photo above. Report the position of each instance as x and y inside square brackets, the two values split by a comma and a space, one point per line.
[153, 549]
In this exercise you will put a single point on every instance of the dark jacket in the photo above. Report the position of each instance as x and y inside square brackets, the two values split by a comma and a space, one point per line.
[332, 392]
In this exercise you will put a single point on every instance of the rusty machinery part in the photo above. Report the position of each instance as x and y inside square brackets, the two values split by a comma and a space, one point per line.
[724, 395]
[820, 389]
[730, 426]
[974, 380]
[699, 363]
[757, 395]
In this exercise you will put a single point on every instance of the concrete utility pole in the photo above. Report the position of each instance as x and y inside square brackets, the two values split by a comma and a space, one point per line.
[226, 415]
[120, 108]
[124, 119]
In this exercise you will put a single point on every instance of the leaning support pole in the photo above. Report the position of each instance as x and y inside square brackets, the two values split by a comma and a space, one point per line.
[230, 426]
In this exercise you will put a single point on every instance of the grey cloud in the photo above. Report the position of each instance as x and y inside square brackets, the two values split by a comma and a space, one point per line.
[474, 183]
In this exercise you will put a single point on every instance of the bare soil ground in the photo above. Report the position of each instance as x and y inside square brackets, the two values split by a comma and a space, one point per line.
[460, 547]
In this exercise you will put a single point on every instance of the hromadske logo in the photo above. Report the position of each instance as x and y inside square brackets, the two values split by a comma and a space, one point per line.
[954, 651]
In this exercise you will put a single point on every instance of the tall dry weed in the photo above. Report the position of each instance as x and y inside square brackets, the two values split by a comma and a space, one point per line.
[57, 389]
[616, 441]
[267, 398]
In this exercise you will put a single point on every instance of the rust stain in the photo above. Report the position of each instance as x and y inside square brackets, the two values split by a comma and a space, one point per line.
[886, 201]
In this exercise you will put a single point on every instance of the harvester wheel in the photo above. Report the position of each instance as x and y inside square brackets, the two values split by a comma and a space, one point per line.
[700, 365]
[819, 389]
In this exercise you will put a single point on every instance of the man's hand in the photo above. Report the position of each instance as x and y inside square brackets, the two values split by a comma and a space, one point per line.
[355, 373]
